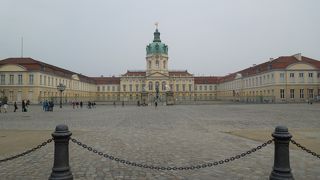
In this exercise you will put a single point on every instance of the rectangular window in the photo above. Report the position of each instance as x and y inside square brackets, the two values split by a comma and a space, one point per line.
[3, 79]
[310, 75]
[260, 80]
[310, 93]
[45, 80]
[40, 79]
[130, 87]
[292, 75]
[103, 88]
[318, 75]
[113, 88]
[183, 87]
[190, 87]
[49, 81]
[281, 75]
[98, 88]
[281, 93]
[124, 88]
[177, 87]
[205, 88]
[195, 87]
[200, 88]
[300, 75]
[291, 93]
[108, 88]
[20, 79]
[137, 87]
[11, 80]
[301, 93]
[30, 78]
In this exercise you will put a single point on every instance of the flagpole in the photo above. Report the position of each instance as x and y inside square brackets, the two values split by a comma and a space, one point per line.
[22, 46]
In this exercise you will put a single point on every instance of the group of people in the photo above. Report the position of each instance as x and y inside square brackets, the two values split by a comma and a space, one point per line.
[76, 104]
[47, 105]
[24, 104]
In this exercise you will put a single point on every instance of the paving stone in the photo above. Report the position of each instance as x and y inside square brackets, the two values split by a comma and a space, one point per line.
[167, 136]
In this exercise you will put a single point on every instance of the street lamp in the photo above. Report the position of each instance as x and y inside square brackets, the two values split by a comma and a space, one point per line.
[61, 88]
[157, 92]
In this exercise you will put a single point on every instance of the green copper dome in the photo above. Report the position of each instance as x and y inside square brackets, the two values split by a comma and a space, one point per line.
[157, 47]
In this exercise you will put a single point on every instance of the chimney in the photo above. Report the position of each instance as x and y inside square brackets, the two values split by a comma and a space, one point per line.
[270, 59]
[298, 56]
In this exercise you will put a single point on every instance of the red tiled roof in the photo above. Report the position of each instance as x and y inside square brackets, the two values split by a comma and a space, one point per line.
[179, 73]
[107, 80]
[281, 62]
[135, 73]
[206, 80]
[34, 65]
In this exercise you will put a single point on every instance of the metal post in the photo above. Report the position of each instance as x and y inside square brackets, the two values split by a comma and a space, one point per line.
[281, 167]
[61, 169]
[60, 99]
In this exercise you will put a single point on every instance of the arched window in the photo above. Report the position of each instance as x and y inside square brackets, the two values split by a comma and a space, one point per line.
[150, 86]
[157, 63]
[157, 85]
[149, 64]
[163, 85]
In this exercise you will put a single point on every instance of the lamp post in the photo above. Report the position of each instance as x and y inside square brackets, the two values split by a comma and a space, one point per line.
[157, 92]
[61, 88]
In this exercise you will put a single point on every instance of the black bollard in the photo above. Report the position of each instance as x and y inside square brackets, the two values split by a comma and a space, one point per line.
[61, 169]
[281, 167]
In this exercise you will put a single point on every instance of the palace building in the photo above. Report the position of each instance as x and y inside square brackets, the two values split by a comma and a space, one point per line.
[284, 79]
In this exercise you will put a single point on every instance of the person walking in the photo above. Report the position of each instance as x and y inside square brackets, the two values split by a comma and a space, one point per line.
[23, 106]
[155, 104]
[15, 106]
[81, 104]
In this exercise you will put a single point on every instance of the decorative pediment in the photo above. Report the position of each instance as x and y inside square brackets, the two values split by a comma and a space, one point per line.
[75, 77]
[300, 66]
[157, 74]
[12, 67]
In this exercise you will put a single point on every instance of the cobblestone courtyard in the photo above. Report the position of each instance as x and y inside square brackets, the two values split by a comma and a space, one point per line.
[166, 136]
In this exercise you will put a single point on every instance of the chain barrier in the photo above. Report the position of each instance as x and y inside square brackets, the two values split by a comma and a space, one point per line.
[305, 149]
[28, 151]
[169, 168]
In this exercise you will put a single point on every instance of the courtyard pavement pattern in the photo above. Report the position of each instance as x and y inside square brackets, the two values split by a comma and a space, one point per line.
[166, 136]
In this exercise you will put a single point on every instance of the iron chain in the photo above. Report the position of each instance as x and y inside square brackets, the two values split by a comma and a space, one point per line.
[305, 149]
[28, 151]
[169, 168]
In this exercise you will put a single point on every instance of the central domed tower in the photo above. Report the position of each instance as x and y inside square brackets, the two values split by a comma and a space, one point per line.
[157, 56]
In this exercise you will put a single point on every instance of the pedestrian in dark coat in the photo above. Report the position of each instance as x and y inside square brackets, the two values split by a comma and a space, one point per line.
[15, 106]
[23, 106]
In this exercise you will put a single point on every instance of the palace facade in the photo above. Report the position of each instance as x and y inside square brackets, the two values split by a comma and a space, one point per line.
[284, 79]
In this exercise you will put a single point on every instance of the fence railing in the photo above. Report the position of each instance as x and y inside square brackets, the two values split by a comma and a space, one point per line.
[61, 169]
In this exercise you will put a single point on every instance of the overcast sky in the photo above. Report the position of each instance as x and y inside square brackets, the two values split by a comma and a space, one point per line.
[206, 37]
